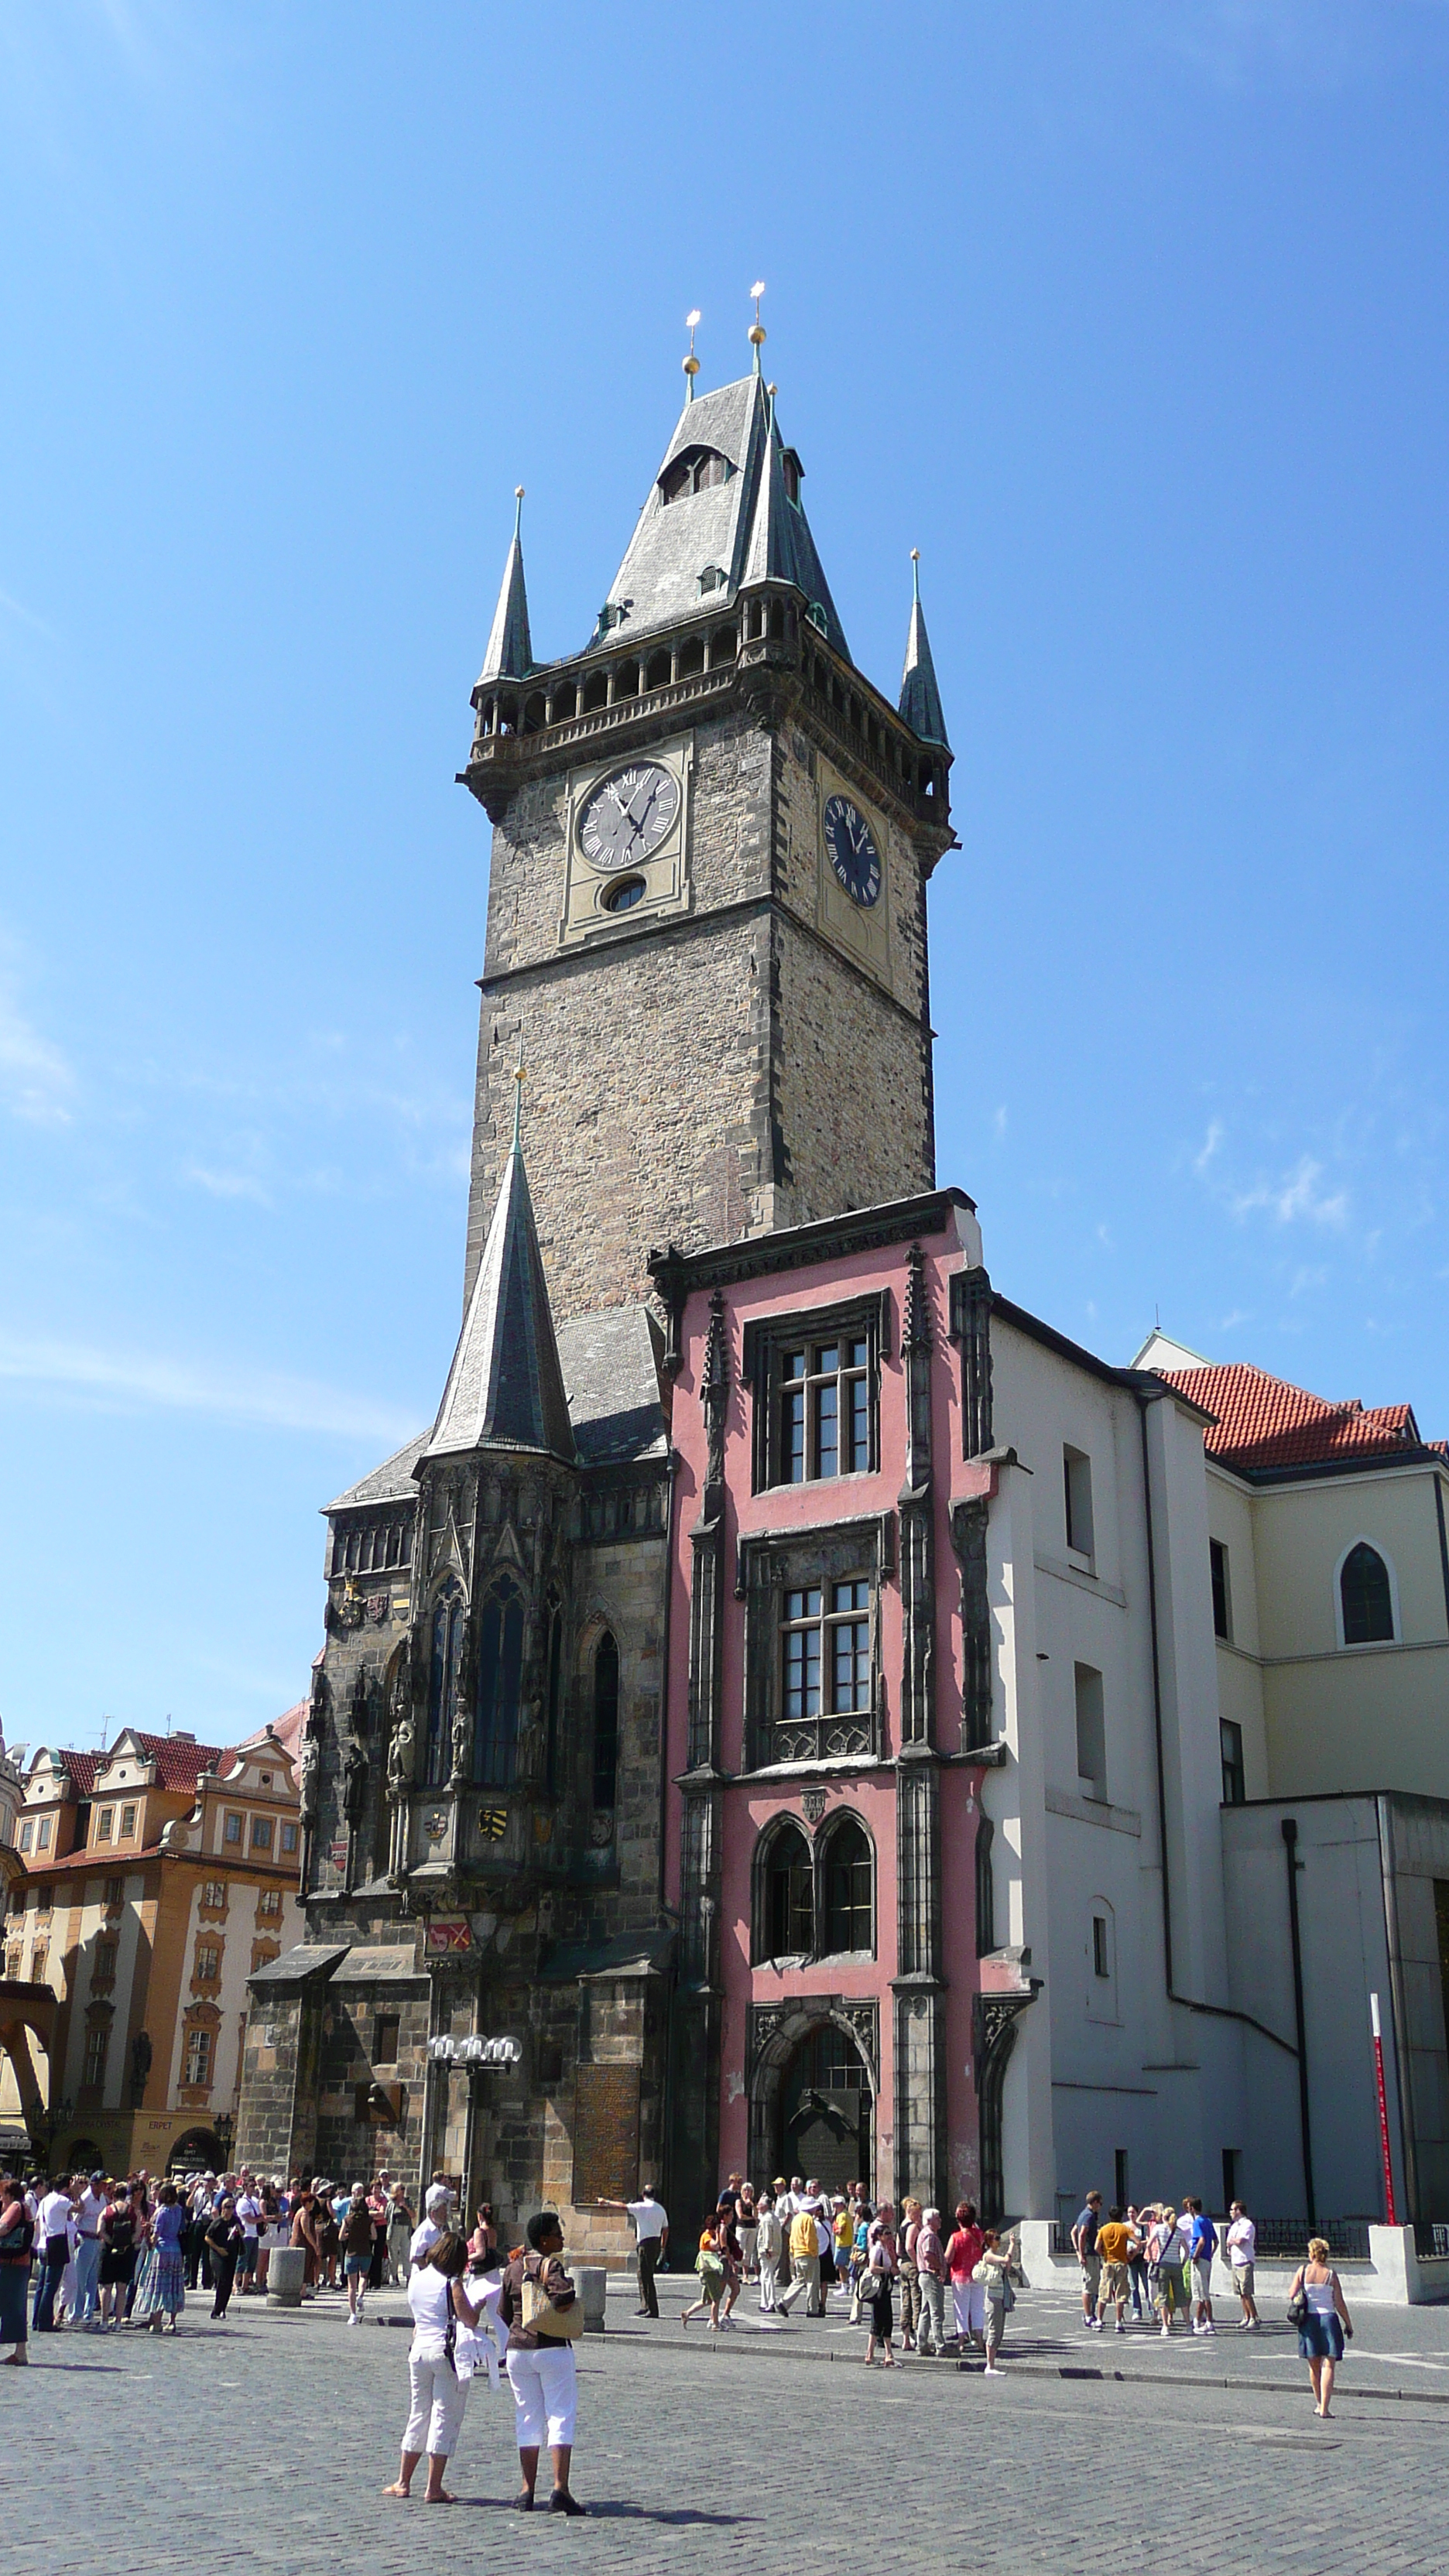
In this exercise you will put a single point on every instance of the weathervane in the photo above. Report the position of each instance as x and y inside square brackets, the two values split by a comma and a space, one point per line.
[691, 363]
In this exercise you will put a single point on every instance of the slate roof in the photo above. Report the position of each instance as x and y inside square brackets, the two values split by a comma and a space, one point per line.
[746, 526]
[285, 1730]
[920, 699]
[612, 1376]
[504, 1388]
[1262, 1421]
[393, 1482]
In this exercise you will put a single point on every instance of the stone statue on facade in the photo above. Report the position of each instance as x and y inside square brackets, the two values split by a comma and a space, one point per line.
[354, 1782]
[400, 1757]
[307, 1784]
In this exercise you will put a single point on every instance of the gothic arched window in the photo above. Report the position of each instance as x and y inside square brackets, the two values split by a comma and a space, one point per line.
[447, 1643]
[1367, 1597]
[848, 1889]
[606, 1721]
[789, 1897]
[500, 1674]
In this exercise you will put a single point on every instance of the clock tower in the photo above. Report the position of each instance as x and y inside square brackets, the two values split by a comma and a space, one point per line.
[712, 837]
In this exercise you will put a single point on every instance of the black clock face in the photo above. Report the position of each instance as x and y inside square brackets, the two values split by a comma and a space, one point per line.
[628, 816]
[853, 853]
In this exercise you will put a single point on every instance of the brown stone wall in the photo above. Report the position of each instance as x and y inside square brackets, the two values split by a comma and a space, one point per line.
[853, 1103]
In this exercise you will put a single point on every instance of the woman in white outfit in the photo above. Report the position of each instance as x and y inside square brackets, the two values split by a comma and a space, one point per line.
[1316, 2304]
[540, 2307]
[440, 2304]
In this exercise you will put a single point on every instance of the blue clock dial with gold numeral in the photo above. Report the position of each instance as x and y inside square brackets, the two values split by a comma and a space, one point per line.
[853, 853]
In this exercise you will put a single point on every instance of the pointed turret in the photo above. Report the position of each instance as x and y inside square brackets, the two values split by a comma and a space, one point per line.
[510, 652]
[505, 1388]
[920, 699]
[780, 546]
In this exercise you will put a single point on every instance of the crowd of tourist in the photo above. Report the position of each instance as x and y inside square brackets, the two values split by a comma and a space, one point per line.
[100, 2251]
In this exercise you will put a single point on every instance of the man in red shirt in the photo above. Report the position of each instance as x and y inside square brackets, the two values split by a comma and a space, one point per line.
[968, 2295]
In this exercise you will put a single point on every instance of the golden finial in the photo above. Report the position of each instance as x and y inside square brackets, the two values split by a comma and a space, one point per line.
[691, 363]
[519, 1078]
[757, 328]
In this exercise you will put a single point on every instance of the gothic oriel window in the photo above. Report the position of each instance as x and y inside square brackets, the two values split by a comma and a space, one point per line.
[606, 1721]
[500, 1674]
[447, 1645]
[1367, 1597]
[826, 1650]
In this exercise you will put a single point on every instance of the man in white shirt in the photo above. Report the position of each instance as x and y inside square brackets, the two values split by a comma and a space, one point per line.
[1242, 2255]
[651, 2229]
[436, 2213]
[53, 2223]
[249, 2220]
[88, 2210]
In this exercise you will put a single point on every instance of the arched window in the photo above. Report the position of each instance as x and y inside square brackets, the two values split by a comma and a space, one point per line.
[848, 1875]
[1367, 1597]
[500, 1671]
[694, 471]
[555, 1694]
[447, 1645]
[606, 1721]
[789, 1897]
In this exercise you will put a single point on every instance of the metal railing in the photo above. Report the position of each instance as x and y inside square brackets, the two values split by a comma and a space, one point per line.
[1431, 2239]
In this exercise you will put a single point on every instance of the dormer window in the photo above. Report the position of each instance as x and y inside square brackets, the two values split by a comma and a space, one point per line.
[694, 471]
[791, 472]
[712, 578]
[817, 616]
[613, 613]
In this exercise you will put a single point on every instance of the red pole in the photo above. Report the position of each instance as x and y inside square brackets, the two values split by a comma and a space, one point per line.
[1390, 2211]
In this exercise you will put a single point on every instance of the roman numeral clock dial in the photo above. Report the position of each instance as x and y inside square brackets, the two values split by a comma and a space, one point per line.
[853, 853]
[627, 817]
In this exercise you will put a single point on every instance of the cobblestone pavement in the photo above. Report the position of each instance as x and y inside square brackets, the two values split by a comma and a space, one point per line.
[263, 2444]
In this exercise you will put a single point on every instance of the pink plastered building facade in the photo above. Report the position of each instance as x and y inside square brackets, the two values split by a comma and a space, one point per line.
[828, 1687]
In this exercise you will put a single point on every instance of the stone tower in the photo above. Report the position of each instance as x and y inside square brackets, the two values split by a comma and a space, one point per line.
[707, 903]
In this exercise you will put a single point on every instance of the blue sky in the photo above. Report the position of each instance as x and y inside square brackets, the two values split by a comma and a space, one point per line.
[1130, 316]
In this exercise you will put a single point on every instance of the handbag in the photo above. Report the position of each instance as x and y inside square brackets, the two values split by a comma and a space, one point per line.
[541, 2317]
[1299, 2311]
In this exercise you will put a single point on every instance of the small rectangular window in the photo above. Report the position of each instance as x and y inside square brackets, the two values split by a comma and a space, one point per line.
[128, 1823]
[289, 1838]
[208, 1959]
[1101, 1963]
[1077, 1477]
[1222, 1598]
[384, 2039]
[27, 1835]
[104, 1821]
[261, 1833]
[42, 1834]
[115, 1894]
[271, 1905]
[1091, 1732]
[105, 1967]
[232, 1831]
[214, 1892]
[1235, 1791]
[95, 2066]
[198, 2057]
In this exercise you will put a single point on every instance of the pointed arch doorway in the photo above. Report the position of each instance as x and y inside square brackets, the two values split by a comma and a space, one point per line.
[812, 2094]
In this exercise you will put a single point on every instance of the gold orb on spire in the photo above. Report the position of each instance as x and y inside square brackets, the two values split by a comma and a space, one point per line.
[518, 491]
[757, 328]
[691, 362]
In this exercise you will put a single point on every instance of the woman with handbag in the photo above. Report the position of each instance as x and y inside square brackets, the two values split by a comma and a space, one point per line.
[709, 2264]
[880, 2280]
[440, 2305]
[541, 2309]
[1316, 2307]
[17, 2236]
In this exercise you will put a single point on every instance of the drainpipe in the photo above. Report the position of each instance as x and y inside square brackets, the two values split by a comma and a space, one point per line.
[1290, 1854]
[1403, 2063]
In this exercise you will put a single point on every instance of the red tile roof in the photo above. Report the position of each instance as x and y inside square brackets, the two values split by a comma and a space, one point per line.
[1262, 1421]
[285, 1730]
[179, 1762]
[81, 1768]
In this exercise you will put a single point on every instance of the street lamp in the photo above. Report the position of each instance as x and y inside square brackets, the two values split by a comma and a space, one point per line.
[225, 2131]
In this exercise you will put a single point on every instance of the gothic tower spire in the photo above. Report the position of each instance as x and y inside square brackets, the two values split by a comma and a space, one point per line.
[920, 699]
[510, 652]
[505, 1388]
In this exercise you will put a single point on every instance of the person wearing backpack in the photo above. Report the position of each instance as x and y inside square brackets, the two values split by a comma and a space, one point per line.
[1202, 2245]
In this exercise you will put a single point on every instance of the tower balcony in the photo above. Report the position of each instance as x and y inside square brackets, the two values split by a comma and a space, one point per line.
[763, 652]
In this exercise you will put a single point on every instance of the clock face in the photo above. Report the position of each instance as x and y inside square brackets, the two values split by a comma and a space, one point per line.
[628, 816]
[853, 853]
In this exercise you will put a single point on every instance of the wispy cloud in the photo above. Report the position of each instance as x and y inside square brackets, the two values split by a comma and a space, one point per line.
[226, 1185]
[23, 616]
[1298, 1195]
[1299, 44]
[36, 1081]
[1212, 1144]
[240, 1395]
